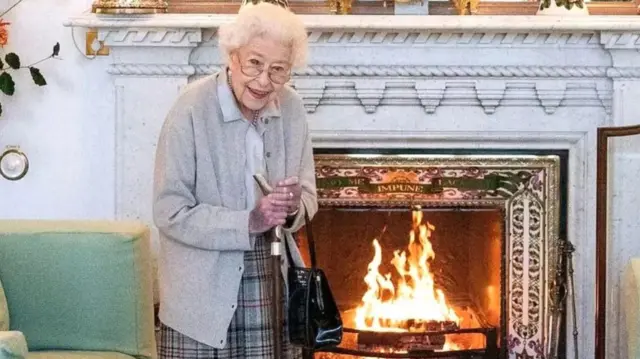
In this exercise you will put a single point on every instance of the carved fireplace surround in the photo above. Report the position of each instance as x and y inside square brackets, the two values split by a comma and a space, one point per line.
[394, 82]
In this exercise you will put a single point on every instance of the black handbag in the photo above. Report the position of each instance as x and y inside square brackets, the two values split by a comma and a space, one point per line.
[313, 315]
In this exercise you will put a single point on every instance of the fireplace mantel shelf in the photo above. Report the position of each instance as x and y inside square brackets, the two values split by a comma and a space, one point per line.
[377, 22]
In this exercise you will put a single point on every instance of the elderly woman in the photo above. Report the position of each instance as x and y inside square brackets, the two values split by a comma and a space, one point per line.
[214, 278]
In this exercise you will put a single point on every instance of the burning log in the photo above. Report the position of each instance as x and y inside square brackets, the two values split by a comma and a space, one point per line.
[411, 341]
[400, 342]
[405, 312]
[431, 326]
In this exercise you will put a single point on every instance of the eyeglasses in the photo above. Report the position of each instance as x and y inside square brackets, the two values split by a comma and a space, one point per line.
[278, 74]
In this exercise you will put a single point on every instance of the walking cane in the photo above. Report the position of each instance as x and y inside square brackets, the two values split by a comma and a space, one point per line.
[276, 281]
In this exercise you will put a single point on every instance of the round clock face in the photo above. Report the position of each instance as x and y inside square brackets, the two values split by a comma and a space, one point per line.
[13, 164]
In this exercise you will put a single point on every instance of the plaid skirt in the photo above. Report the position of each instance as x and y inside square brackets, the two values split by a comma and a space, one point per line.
[250, 332]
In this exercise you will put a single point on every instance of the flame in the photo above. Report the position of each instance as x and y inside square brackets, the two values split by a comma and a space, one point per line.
[413, 299]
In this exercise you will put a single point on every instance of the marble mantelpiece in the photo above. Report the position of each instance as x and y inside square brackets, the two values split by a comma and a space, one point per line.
[492, 82]
[377, 22]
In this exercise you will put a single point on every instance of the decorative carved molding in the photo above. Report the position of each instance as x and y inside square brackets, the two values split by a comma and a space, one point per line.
[445, 139]
[167, 37]
[148, 36]
[206, 69]
[605, 94]
[453, 71]
[437, 71]
[363, 89]
[209, 37]
[455, 37]
[490, 93]
[440, 38]
[620, 40]
[311, 91]
[551, 95]
[623, 72]
[370, 93]
[430, 93]
[151, 70]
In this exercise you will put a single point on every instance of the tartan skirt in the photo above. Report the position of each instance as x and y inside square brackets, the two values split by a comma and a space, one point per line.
[250, 334]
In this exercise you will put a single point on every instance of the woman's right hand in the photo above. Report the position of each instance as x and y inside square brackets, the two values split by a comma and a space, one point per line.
[266, 215]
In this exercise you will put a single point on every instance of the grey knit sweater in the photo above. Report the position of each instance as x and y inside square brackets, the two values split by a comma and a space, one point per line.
[200, 202]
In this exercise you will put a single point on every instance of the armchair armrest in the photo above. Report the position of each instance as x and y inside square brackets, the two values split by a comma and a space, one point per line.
[13, 345]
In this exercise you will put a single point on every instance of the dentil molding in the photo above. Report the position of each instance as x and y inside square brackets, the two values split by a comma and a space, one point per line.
[430, 86]
[490, 94]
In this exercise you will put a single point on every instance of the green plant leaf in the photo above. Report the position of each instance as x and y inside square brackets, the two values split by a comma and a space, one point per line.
[12, 60]
[56, 49]
[37, 77]
[6, 84]
[1, 65]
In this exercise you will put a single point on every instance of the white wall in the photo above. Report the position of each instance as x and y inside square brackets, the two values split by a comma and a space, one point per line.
[66, 128]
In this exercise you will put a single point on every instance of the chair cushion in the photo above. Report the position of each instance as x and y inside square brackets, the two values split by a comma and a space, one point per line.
[79, 285]
[12, 345]
[76, 355]
[4, 310]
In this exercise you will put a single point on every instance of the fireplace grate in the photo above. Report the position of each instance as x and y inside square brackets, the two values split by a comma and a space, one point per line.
[490, 351]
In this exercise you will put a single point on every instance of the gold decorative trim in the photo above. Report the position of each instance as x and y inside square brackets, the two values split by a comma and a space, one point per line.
[131, 11]
[613, 7]
[548, 163]
[129, 7]
[386, 7]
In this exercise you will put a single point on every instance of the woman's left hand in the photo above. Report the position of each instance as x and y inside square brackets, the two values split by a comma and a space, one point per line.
[287, 194]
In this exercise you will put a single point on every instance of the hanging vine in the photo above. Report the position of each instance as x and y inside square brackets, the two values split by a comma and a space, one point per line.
[12, 61]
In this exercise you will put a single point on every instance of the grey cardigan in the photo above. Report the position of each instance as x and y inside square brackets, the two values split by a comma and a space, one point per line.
[199, 203]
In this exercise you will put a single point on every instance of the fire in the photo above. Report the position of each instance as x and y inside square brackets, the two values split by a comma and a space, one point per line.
[412, 301]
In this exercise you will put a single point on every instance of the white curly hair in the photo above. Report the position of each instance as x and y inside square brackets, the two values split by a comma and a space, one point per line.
[269, 21]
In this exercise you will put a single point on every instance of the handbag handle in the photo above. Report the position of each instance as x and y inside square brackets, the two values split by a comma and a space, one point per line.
[310, 241]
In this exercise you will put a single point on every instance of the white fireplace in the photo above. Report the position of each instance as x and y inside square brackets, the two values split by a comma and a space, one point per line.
[414, 82]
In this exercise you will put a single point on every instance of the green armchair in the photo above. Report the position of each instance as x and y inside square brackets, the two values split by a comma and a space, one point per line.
[76, 290]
